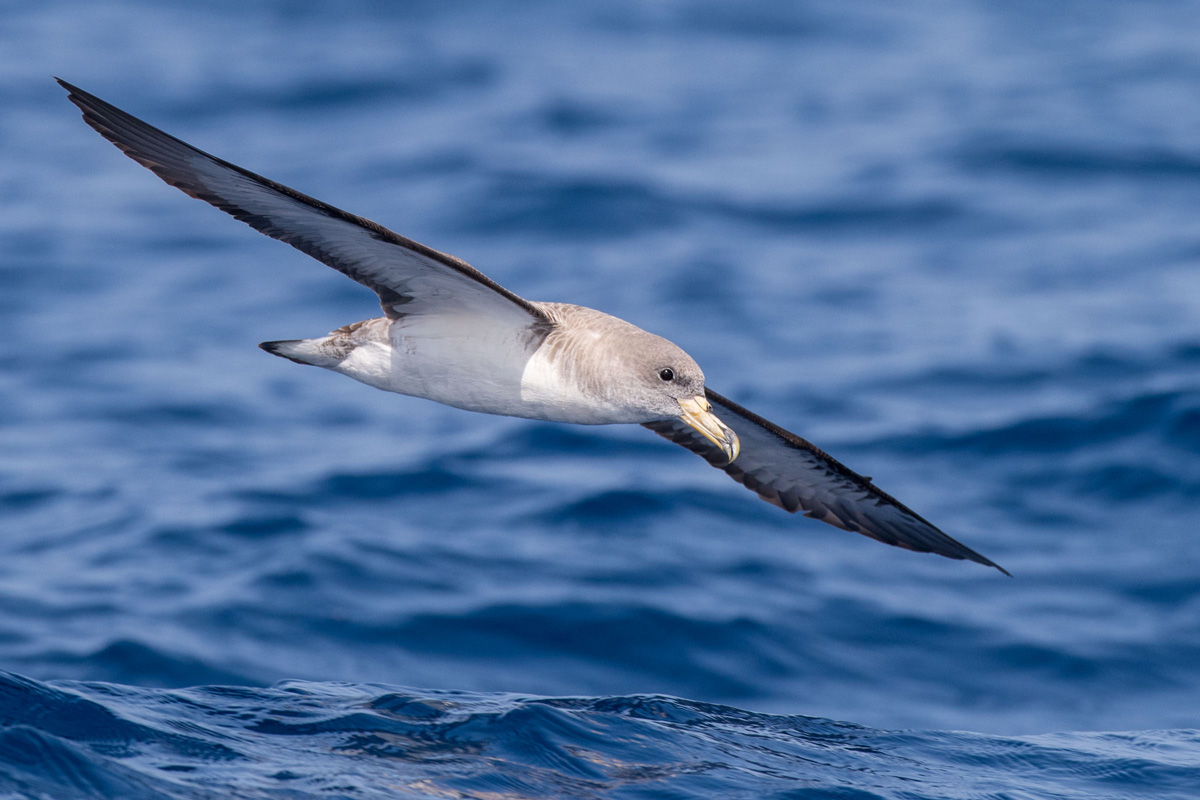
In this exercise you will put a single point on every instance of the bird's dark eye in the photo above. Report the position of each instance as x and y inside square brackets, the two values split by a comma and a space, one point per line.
[667, 374]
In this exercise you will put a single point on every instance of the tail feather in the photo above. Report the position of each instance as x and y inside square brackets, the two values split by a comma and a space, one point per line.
[306, 351]
[330, 351]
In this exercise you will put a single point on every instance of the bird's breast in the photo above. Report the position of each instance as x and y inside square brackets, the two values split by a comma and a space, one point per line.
[563, 385]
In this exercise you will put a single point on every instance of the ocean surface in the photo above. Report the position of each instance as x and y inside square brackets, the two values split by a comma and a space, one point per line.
[957, 245]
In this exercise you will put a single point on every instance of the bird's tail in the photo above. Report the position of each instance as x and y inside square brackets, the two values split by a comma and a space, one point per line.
[330, 351]
[320, 352]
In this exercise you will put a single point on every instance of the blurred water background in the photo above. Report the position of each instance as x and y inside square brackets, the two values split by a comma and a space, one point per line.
[955, 244]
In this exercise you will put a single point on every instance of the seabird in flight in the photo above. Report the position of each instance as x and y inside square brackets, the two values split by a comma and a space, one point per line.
[451, 334]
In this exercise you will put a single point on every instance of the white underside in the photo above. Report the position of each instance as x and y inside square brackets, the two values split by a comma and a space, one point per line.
[477, 365]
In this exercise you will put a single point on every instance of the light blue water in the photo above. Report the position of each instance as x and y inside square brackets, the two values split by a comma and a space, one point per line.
[956, 245]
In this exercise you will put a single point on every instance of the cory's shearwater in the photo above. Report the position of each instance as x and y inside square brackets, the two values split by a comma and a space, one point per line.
[451, 334]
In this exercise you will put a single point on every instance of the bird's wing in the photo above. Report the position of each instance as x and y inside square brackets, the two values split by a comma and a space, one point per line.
[796, 475]
[409, 277]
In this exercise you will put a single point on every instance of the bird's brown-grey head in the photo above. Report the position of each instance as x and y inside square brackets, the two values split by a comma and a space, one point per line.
[668, 382]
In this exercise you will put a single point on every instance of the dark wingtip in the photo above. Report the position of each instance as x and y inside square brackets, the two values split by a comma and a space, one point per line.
[984, 560]
[71, 89]
[968, 554]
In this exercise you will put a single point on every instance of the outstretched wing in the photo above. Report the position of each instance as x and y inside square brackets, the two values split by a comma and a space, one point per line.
[409, 277]
[795, 474]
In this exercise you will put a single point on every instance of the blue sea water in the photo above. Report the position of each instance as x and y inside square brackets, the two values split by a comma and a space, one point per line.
[955, 244]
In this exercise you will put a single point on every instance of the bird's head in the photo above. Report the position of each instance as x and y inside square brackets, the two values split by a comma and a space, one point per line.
[669, 384]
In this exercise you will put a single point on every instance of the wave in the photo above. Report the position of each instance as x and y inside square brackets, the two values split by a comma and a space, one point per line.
[580, 207]
[1077, 160]
[335, 740]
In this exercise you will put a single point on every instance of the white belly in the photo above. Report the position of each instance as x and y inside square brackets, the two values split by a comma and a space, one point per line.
[457, 361]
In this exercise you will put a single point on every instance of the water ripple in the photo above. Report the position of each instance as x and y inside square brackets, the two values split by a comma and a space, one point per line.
[953, 244]
[343, 740]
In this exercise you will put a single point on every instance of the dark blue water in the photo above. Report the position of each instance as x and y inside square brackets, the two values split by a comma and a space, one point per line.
[955, 244]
